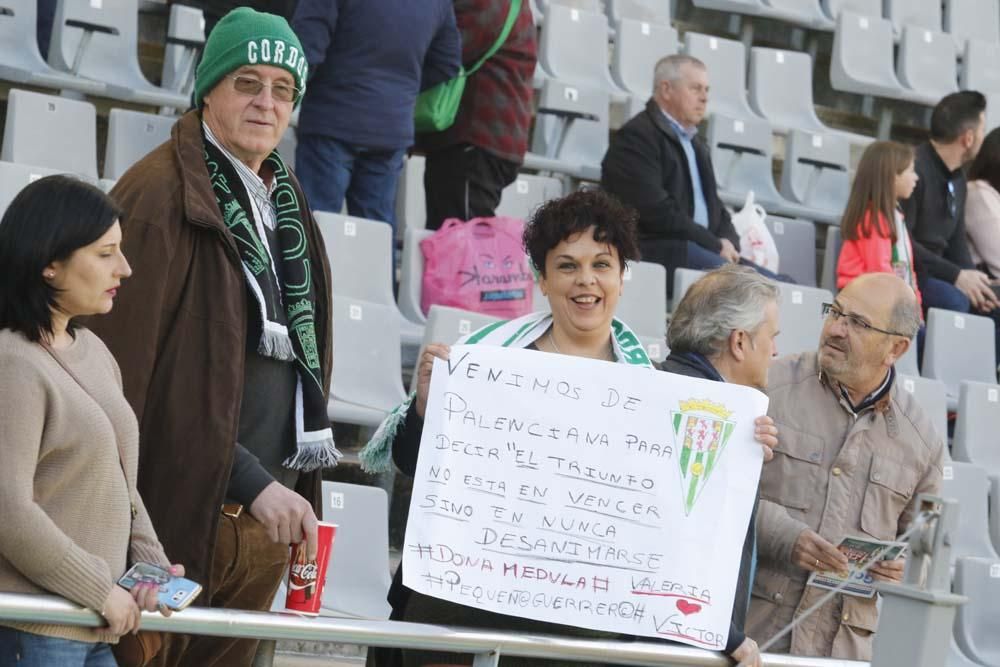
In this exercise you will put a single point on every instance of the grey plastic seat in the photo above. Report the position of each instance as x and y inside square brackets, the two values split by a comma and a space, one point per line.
[815, 171]
[977, 427]
[742, 160]
[958, 346]
[411, 275]
[979, 70]
[526, 193]
[833, 8]
[656, 348]
[958, 659]
[800, 310]
[50, 131]
[14, 176]
[796, 244]
[921, 13]
[831, 254]
[361, 264]
[908, 364]
[805, 13]
[411, 203]
[132, 134]
[366, 354]
[643, 303]
[972, 19]
[969, 485]
[862, 58]
[683, 279]
[926, 63]
[639, 45]
[573, 49]
[727, 73]
[746, 7]
[929, 394]
[446, 325]
[357, 580]
[99, 40]
[571, 130]
[976, 620]
[654, 11]
[185, 40]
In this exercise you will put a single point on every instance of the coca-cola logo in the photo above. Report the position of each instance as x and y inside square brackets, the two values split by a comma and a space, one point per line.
[303, 575]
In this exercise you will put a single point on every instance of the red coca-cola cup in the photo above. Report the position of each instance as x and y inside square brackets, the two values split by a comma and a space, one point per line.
[306, 577]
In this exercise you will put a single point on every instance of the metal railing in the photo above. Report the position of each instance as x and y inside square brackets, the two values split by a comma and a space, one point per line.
[486, 645]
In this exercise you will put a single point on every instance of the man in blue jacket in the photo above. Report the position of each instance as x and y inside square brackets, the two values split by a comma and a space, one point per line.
[368, 60]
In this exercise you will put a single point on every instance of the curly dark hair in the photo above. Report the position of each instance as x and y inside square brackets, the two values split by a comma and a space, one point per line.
[558, 219]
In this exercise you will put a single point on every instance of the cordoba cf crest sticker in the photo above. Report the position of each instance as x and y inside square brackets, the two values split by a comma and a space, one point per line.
[701, 431]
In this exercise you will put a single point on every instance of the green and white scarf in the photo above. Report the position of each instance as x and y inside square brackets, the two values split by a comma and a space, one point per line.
[520, 333]
[287, 311]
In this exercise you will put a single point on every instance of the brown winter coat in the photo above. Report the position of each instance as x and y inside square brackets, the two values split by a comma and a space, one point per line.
[178, 331]
[840, 476]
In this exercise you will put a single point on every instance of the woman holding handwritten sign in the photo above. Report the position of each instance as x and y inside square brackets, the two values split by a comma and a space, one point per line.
[580, 245]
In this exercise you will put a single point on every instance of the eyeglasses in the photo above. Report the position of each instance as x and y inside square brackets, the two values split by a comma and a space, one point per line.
[247, 85]
[855, 322]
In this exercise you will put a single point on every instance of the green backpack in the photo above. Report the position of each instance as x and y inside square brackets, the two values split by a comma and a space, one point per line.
[437, 107]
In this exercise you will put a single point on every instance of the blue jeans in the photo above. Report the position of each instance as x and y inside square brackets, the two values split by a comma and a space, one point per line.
[702, 259]
[331, 170]
[940, 294]
[25, 649]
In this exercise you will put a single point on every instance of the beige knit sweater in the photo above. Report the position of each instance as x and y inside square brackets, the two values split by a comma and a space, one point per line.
[64, 503]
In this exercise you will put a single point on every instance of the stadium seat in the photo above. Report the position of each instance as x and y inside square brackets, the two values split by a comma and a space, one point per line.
[920, 13]
[831, 253]
[99, 40]
[654, 11]
[781, 89]
[741, 157]
[969, 485]
[978, 425]
[132, 134]
[639, 45]
[446, 325]
[805, 13]
[815, 171]
[286, 147]
[367, 383]
[796, 243]
[20, 59]
[361, 264]
[958, 659]
[926, 64]
[572, 48]
[958, 346]
[50, 131]
[979, 70]
[801, 312]
[833, 8]
[15, 176]
[929, 394]
[862, 58]
[643, 304]
[972, 19]
[524, 195]
[908, 364]
[185, 39]
[411, 275]
[727, 73]
[411, 204]
[357, 580]
[571, 130]
[683, 279]
[976, 620]
[539, 303]
[656, 348]
[746, 7]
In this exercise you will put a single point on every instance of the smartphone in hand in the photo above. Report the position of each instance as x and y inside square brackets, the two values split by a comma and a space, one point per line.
[176, 593]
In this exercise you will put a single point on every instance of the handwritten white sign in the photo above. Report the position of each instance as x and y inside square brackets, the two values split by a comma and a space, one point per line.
[582, 492]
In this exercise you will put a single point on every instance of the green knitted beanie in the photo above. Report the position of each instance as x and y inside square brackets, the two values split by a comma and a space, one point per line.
[248, 37]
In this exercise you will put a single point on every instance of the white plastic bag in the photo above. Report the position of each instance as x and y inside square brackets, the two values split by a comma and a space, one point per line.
[756, 243]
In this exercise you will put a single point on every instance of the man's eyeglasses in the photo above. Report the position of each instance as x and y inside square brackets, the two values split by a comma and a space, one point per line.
[855, 322]
[247, 85]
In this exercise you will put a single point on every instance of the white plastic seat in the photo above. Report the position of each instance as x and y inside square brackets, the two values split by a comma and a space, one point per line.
[13, 178]
[643, 304]
[725, 60]
[50, 131]
[976, 620]
[683, 279]
[573, 144]
[920, 13]
[862, 58]
[99, 40]
[969, 485]
[926, 63]
[411, 202]
[411, 275]
[977, 426]
[185, 40]
[796, 244]
[741, 158]
[132, 134]
[526, 193]
[573, 48]
[361, 264]
[958, 346]
[446, 325]
[654, 11]
[814, 173]
[979, 70]
[639, 46]
[908, 364]
[366, 353]
[745, 7]
[831, 254]
[929, 394]
[833, 8]
[805, 13]
[972, 19]
[656, 348]
[800, 309]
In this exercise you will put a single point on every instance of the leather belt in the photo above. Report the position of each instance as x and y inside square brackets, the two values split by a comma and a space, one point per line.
[232, 509]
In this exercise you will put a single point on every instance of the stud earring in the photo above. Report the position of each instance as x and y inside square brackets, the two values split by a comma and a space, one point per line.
[50, 274]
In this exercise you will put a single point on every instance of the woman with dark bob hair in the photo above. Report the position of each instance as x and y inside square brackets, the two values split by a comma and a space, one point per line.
[580, 246]
[72, 519]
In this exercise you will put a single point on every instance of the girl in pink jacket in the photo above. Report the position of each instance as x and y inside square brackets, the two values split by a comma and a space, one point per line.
[875, 239]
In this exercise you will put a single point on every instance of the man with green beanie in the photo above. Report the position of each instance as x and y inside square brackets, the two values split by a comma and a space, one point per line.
[223, 334]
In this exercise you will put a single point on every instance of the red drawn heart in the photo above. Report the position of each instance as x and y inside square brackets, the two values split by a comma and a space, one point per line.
[688, 608]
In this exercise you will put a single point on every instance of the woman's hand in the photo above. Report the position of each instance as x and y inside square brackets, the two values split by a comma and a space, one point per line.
[890, 571]
[766, 433]
[146, 594]
[424, 368]
[121, 612]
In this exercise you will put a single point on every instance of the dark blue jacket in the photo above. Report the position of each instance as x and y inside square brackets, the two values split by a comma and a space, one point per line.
[368, 59]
